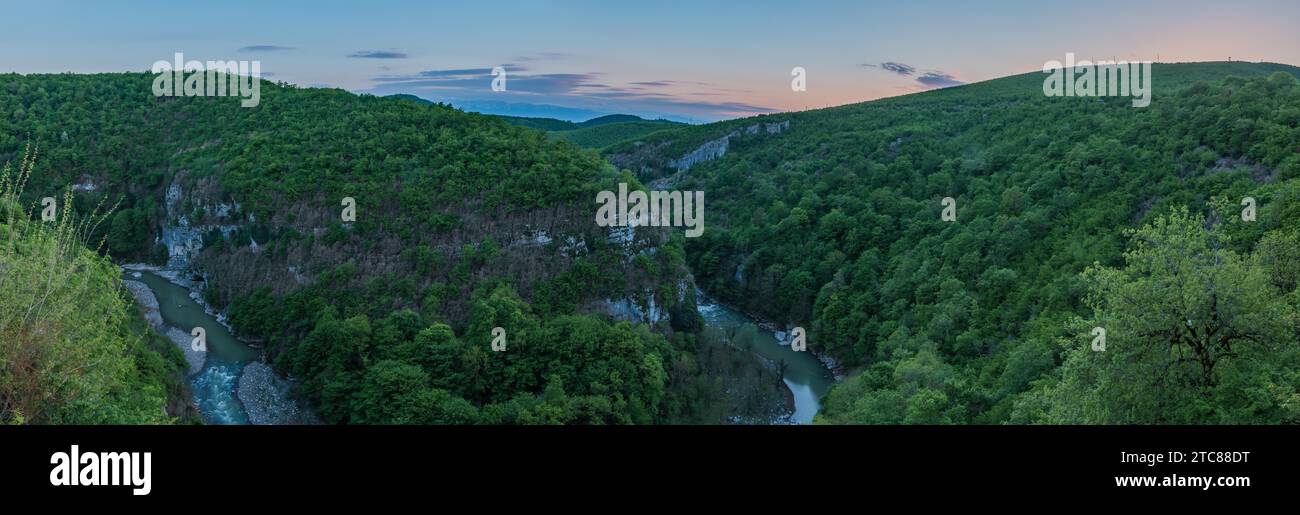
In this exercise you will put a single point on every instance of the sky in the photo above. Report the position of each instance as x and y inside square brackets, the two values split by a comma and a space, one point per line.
[693, 61]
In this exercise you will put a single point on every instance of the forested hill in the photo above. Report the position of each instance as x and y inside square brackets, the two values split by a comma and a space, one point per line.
[1072, 213]
[463, 223]
[597, 132]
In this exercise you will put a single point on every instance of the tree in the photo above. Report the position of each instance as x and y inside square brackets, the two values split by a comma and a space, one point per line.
[1183, 316]
[394, 393]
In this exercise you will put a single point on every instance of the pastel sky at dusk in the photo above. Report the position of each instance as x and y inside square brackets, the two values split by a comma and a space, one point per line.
[696, 60]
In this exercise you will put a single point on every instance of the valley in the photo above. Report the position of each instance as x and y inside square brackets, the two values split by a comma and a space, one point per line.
[510, 250]
[825, 219]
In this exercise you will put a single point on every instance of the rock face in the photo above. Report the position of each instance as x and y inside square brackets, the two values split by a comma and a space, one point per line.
[650, 162]
[633, 310]
[717, 148]
[184, 240]
[707, 152]
[647, 307]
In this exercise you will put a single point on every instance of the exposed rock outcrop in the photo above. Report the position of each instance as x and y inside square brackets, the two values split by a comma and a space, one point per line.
[650, 163]
[714, 149]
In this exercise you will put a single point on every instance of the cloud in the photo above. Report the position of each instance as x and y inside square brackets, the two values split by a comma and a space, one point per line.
[735, 107]
[899, 68]
[378, 54]
[543, 56]
[480, 79]
[468, 72]
[938, 79]
[927, 80]
[591, 91]
[266, 48]
[455, 77]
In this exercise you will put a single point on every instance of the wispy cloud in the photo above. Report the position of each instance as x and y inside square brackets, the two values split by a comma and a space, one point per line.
[899, 68]
[543, 56]
[928, 79]
[576, 90]
[937, 79]
[480, 79]
[469, 72]
[378, 54]
[266, 48]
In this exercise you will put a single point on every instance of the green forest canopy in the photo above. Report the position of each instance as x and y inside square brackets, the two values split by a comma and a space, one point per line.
[394, 324]
[1071, 212]
[834, 225]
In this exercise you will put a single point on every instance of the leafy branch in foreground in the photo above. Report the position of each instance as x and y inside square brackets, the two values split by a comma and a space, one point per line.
[67, 352]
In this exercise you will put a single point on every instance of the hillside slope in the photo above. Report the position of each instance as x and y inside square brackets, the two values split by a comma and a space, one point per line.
[76, 351]
[463, 224]
[831, 219]
[597, 132]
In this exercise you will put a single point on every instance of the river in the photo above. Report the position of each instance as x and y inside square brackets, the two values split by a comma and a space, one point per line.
[215, 384]
[805, 375]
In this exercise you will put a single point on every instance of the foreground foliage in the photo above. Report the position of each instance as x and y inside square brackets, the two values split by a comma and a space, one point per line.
[73, 347]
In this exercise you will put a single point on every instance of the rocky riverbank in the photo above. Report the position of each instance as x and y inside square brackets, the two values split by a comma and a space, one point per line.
[266, 398]
[149, 305]
[231, 385]
[182, 278]
[783, 336]
[806, 378]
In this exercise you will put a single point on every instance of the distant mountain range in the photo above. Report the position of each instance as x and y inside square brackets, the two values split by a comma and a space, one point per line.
[527, 110]
[552, 124]
[595, 132]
